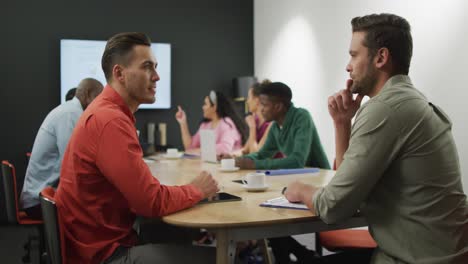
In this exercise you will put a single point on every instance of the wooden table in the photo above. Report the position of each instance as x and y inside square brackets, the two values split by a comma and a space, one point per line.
[242, 220]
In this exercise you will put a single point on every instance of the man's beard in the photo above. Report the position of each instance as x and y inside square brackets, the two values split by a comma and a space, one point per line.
[367, 83]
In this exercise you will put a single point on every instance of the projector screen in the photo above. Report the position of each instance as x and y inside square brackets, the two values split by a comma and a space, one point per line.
[81, 59]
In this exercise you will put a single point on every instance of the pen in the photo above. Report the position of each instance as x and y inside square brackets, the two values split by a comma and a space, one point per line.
[284, 190]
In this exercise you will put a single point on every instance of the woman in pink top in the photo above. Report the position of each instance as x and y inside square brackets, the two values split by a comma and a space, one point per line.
[258, 128]
[219, 115]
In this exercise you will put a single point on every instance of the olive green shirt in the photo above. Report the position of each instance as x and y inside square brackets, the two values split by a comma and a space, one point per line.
[297, 139]
[402, 171]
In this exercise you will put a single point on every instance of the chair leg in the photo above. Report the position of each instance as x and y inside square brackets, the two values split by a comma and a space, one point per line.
[318, 245]
[263, 244]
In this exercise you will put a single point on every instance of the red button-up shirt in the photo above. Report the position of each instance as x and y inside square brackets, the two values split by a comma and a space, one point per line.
[104, 183]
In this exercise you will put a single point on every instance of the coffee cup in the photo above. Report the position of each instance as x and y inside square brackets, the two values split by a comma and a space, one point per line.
[255, 180]
[172, 152]
[228, 164]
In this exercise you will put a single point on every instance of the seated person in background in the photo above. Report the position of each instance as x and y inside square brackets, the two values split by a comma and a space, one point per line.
[258, 127]
[70, 94]
[218, 114]
[292, 133]
[50, 143]
[398, 163]
[104, 181]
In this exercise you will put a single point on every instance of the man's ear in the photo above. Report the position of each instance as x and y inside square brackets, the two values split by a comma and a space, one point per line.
[382, 58]
[278, 106]
[118, 73]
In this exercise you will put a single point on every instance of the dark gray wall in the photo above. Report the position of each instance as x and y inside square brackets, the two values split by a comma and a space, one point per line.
[212, 42]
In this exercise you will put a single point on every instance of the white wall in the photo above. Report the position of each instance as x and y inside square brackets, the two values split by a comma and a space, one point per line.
[304, 43]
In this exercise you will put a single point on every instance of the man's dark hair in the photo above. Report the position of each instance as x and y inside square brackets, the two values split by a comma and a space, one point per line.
[70, 94]
[278, 92]
[389, 31]
[118, 49]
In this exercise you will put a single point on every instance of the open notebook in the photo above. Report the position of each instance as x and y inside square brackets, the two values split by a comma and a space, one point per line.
[282, 202]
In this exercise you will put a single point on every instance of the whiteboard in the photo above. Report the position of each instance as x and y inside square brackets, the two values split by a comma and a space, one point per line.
[80, 59]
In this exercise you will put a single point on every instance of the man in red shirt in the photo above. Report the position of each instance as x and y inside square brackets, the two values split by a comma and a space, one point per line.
[104, 181]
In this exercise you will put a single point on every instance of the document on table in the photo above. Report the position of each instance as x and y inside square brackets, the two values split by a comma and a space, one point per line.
[282, 202]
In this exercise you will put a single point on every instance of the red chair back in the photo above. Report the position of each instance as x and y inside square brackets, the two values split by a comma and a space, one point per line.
[14, 215]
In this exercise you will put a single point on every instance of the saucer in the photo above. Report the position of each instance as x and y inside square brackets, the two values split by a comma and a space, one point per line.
[230, 169]
[255, 189]
[178, 156]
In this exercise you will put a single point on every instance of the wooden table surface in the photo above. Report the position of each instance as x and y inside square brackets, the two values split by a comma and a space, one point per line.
[245, 219]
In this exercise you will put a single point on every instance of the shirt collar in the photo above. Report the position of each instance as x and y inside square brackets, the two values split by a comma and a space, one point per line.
[75, 101]
[289, 116]
[111, 95]
[397, 79]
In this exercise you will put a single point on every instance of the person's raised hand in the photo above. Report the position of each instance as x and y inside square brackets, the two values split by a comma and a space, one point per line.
[342, 106]
[206, 184]
[180, 115]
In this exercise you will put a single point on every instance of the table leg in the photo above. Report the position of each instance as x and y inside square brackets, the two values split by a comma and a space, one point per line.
[225, 247]
[263, 244]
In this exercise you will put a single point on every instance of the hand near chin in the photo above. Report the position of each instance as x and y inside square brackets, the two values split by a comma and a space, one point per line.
[342, 106]
[250, 120]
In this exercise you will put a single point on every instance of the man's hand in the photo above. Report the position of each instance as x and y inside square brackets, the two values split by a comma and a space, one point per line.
[341, 106]
[245, 163]
[180, 115]
[206, 184]
[300, 192]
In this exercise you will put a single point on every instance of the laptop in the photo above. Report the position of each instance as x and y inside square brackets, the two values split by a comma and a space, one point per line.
[208, 145]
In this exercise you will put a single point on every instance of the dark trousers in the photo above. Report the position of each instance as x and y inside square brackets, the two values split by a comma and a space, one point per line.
[159, 242]
[357, 256]
[34, 212]
[163, 253]
[283, 246]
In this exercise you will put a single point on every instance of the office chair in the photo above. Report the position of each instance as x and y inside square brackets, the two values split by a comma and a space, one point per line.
[17, 217]
[54, 238]
[346, 239]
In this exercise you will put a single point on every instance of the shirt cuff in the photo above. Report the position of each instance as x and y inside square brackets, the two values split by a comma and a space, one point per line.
[315, 201]
[197, 194]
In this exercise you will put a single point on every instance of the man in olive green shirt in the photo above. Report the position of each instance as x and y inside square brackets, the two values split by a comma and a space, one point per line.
[398, 163]
[292, 133]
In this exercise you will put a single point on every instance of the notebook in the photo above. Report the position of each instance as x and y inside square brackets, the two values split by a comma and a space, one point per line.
[208, 145]
[282, 202]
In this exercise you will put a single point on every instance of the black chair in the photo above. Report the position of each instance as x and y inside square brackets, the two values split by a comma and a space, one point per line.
[17, 217]
[53, 235]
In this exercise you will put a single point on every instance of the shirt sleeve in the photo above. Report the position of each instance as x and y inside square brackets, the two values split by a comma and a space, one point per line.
[302, 140]
[372, 148]
[64, 129]
[196, 139]
[269, 148]
[119, 158]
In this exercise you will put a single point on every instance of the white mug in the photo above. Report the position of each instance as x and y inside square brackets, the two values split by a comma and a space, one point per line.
[172, 152]
[227, 164]
[255, 180]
